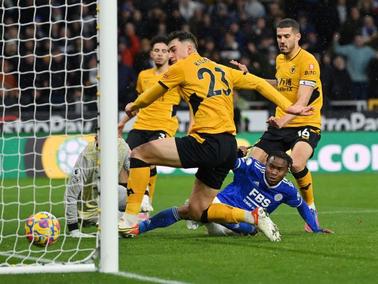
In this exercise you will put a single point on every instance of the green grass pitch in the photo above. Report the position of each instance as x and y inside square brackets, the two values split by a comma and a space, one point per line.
[347, 203]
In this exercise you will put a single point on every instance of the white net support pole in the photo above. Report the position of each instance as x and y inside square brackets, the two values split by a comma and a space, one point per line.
[108, 135]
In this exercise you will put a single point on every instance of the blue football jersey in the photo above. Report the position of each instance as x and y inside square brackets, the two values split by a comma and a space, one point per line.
[250, 189]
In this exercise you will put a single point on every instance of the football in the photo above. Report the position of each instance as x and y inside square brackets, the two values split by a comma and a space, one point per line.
[42, 229]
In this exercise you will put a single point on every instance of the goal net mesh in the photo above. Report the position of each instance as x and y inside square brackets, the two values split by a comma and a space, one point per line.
[48, 93]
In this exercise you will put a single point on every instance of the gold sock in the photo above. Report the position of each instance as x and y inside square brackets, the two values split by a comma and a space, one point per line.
[137, 183]
[151, 186]
[305, 186]
[223, 213]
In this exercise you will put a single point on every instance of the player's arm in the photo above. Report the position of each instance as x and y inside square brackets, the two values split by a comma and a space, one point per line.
[309, 218]
[244, 68]
[251, 82]
[73, 190]
[145, 99]
[245, 165]
[122, 124]
[303, 97]
[294, 199]
[170, 79]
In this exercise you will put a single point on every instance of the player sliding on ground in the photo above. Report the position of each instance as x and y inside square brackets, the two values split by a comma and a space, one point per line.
[210, 146]
[254, 186]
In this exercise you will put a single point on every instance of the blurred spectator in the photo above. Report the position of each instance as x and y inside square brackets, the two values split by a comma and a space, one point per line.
[57, 57]
[187, 8]
[230, 48]
[373, 78]
[326, 77]
[351, 26]
[341, 84]
[358, 57]
[342, 11]
[142, 58]
[132, 45]
[369, 29]
[254, 9]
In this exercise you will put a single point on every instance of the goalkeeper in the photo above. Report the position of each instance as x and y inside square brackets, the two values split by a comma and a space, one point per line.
[255, 185]
[82, 191]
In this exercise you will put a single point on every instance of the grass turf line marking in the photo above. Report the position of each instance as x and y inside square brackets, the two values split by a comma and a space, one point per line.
[147, 278]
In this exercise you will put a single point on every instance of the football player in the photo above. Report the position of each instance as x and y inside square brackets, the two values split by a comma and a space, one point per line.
[158, 120]
[82, 191]
[255, 185]
[298, 79]
[211, 145]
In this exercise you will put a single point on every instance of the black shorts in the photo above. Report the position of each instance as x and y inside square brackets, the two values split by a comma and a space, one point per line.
[275, 139]
[214, 157]
[138, 137]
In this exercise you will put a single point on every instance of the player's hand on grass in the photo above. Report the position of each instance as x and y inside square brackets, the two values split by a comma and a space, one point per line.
[241, 66]
[77, 234]
[326, 231]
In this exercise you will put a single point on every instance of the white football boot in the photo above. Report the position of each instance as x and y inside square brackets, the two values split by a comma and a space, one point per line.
[266, 225]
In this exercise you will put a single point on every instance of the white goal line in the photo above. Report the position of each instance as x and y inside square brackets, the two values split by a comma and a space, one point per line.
[345, 211]
[147, 278]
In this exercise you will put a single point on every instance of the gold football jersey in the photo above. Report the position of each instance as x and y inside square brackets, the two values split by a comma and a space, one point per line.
[207, 87]
[302, 69]
[161, 114]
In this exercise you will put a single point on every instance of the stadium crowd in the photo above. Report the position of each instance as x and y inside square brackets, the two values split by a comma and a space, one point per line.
[48, 53]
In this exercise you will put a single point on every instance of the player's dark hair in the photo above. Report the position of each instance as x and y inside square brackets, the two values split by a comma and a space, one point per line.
[289, 23]
[282, 155]
[159, 39]
[183, 36]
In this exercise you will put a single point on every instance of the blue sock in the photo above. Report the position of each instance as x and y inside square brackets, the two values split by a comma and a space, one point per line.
[162, 219]
[242, 228]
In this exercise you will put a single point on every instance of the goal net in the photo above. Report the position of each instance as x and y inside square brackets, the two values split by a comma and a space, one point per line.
[49, 112]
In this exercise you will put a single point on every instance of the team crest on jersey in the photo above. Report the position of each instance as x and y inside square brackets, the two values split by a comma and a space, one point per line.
[278, 197]
[256, 183]
[292, 69]
[311, 66]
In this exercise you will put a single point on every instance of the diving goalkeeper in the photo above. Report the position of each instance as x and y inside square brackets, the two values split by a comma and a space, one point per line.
[82, 191]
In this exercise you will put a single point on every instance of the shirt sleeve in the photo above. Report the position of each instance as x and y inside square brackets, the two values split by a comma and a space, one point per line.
[251, 82]
[308, 217]
[310, 73]
[294, 199]
[173, 77]
[245, 165]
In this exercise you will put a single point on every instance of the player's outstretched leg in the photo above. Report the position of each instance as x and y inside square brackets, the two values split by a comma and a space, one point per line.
[223, 213]
[266, 225]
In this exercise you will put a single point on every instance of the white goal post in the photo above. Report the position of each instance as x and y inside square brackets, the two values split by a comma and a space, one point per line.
[58, 89]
